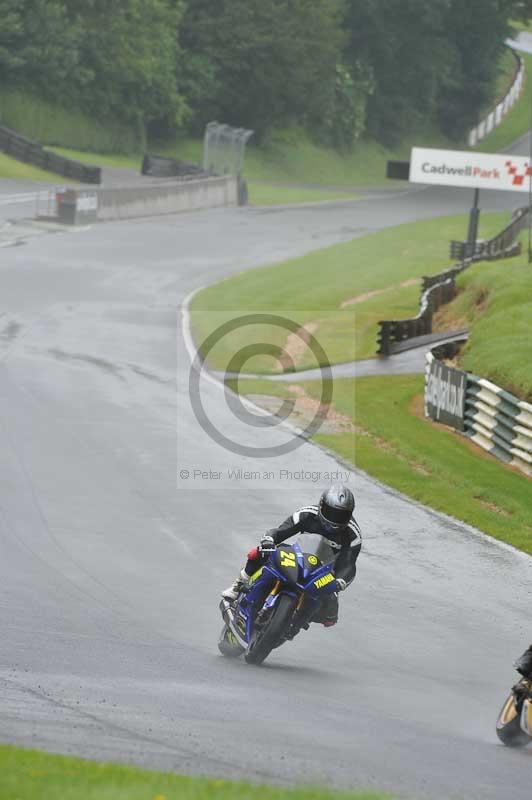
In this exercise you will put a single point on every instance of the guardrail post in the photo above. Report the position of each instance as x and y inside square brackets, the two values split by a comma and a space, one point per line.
[383, 340]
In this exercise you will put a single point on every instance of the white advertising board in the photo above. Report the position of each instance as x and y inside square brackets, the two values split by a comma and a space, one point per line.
[476, 170]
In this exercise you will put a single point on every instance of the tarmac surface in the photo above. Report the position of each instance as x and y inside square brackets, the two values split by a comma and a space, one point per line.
[121, 520]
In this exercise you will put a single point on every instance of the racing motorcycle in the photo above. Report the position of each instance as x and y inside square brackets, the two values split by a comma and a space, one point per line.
[280, 600]
[514, 723]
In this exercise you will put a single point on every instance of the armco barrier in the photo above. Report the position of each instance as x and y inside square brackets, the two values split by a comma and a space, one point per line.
[393, 333]
[494, 419]
[34, 153]
[503, 245]
[439, 289]
[496, 116]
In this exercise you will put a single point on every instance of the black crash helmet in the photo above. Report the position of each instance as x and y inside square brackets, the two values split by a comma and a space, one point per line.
[336, 507]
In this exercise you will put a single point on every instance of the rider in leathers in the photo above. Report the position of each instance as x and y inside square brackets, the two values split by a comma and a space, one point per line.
[331, 519]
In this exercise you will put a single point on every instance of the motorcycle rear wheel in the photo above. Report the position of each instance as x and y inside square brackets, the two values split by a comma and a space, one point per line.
[508, 725]
[261, 647]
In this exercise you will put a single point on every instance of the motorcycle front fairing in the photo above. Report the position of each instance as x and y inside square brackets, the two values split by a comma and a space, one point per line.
[288, 571]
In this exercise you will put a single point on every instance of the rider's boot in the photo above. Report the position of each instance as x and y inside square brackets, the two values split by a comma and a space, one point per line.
[232, 592]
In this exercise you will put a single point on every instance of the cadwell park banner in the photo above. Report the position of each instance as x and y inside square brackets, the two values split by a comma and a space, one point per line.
[476, 170]
[445, 392]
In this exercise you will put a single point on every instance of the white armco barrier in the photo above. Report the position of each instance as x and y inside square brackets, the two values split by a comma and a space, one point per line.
[496, 116]
[169, 197]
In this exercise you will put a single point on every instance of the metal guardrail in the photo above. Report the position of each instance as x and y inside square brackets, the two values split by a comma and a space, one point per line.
[496, 116]
[460, 251]
[494, 419]
[393, 332]
[31, 152]
[503, 245]
[440, 289]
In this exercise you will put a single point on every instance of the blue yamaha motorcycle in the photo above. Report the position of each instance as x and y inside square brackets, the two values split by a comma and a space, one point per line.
[281, 599]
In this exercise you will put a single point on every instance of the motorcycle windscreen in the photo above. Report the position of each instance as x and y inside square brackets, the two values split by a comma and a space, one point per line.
[312, 543]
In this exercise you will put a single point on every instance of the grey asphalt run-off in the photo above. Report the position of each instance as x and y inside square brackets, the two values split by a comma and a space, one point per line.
[111, 563]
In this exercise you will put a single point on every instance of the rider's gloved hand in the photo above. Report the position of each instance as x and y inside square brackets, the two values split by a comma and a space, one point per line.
[341, 584]
[267, 545]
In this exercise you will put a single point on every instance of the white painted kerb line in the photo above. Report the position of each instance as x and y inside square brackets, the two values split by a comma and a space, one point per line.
[15, 199]
[192, 353]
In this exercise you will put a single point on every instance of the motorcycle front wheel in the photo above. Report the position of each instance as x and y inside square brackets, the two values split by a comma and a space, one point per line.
[508, 725]
[268, 638]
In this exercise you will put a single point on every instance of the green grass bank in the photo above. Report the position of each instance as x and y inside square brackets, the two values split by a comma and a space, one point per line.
[517, 121]
[16, 170]
[30, 774]
[382, 430]
[495, 301]
[340, 293]
[380, 425]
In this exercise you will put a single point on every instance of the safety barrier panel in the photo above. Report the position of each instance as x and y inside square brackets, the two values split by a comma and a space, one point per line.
[83, 206]
[499, 422]
[496, 116]
[439, 289]
[494, 419]
[31, 152]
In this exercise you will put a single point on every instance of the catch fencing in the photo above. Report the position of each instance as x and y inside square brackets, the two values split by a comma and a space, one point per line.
[30, 152]
[494, 419]
[396, 335]
[496, 116]
[224, 148]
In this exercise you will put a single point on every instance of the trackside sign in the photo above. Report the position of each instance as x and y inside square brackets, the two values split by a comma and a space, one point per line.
[445, 390]
[475, 170]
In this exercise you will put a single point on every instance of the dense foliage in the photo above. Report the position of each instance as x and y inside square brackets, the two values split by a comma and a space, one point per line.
[340, 68]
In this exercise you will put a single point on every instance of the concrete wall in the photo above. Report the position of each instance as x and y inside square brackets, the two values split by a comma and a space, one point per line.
[166, 198]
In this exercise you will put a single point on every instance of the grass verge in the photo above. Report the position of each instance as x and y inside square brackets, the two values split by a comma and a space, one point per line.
[52, 124]
[291, 156]
[340, 293]
[101, 159]
[28, 774]
[390, 439]
[495, 300]
[517, 121]
[17, 170]
[265, 194]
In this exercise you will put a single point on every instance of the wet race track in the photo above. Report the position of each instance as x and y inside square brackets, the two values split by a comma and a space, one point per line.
[111, 564]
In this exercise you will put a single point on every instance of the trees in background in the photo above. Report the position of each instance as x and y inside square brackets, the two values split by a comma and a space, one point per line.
[262, 63]
[476, 31]
[340, 68]
[112, 60]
